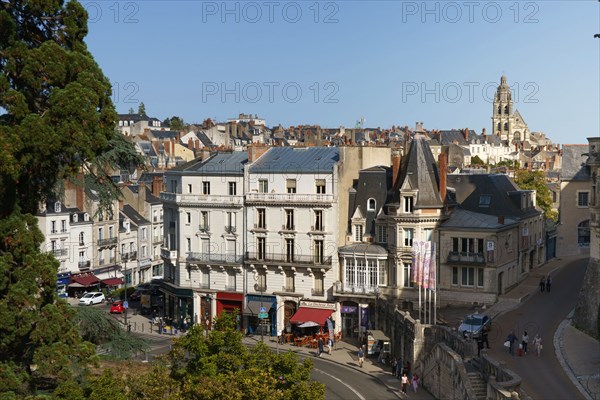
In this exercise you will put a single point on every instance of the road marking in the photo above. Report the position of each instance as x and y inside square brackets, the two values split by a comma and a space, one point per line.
[343, 383]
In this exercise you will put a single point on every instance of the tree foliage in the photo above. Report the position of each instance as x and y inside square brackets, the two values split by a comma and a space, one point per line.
[142, 109]
[476, 160]
[536, 180]
[175, 123]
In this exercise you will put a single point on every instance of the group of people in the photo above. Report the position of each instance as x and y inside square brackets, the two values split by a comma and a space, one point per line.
[545, 283]
[321, 346]
[524, 345]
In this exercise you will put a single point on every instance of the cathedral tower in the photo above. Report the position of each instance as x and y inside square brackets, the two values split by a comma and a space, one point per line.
[503, 109]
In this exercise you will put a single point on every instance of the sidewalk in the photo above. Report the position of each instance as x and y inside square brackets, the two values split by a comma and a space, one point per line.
[346, 354]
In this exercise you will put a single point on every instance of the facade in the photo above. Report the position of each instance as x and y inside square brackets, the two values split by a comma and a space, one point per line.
[506, 123]
[573, 231]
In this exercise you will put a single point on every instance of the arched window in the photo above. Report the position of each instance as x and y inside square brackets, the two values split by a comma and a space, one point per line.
[81, 239]
[517, 136]
[500, 110]
[583, 233]
[499, 126]
[371, 204]
[506, 110]
[506, 126]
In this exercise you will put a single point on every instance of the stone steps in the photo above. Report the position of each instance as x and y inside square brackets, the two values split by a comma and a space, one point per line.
[479, 385]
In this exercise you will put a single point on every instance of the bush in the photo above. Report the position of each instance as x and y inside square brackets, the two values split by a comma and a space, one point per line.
[120, 293]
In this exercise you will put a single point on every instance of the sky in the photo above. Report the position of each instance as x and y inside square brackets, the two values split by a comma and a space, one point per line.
[332, 63]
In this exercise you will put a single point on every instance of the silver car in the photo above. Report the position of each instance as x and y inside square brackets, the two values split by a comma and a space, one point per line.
[474, 324]
[91, 298]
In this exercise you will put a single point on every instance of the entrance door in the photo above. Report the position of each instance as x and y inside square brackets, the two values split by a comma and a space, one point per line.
[500, 277]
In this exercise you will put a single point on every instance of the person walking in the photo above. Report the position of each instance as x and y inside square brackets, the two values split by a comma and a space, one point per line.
[329, 345]
[542, 284]
[484, 338]
[415, 382]
[394, 365]
[525, 342]
[320, 346]
[548, 283]
[511, 343]
[361, 356]
[537, 343]
[404, 383]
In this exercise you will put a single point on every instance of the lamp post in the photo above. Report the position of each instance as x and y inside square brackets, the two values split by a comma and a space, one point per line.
[377, 292]
[125, 303]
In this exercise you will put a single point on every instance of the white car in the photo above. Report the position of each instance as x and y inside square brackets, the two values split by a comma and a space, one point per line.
[91, 298]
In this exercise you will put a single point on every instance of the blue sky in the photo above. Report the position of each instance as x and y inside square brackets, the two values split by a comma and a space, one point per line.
[333, 62]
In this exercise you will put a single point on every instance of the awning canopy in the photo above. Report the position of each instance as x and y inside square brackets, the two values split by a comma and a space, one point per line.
[85, 280]
[75, 284]
[305, 314]
[113, 281]
[253, 307]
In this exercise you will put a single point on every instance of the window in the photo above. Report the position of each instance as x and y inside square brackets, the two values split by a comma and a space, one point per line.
[290, 186]
[408, 237]
[480, 277]
[263, 186]
[320, 186]
[583, 199]
[100, 233]
[407, 272]
[232, 189]
[110, 232]
[382, 233]
[262, 221]
[205, 187]
[371, 203]
[189, 188]
[289, 220]
[63, 226]
[206, 278]
[173, 186]
[188, 218]
[144, 252]
[358, 233]
[583, 233]
[408, 204]
[318, 220]
[204, 221]
[81, 238]
[53, 229]
[318, 252]
[188, 246]
[230, 223]
[484, 200]
[261, 247]
[144, 233]
[261, 281]
[289, 281]
[289, 250]
[231, 281]
[468, 276]
[319, 283]
[427, 234]
[455, 275]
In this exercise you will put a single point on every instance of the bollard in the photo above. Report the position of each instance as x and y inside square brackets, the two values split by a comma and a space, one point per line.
[142, 328]
[128, 327]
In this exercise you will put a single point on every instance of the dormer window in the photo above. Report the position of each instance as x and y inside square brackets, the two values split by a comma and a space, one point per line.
[126, 226]
[371, 204]
[57, 206]
[86, 217]
[358, 233]
[74, 217]
[408, 204]
[484, 200]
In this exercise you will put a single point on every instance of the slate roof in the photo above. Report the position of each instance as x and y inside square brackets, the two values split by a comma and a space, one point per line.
[134, 216]
[574, 166]
[500, 189]
[419, 171]
[363, 248]
[150, 198]
[230, 163]
[372, 183]
[164, 135]
[297, 159]
[465, 219]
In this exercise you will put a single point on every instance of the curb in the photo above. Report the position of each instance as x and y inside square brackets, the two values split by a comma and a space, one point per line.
[558, 349]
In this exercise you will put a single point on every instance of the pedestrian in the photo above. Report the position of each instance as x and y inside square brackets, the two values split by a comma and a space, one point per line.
[394, 365]
[537, 343]
[415, 382]
[404, 383]
[525, 342]
[399, 369]
[542, 284]
[361, 356]
[320, 346]
[380, 353]
[406, 368]
[479, 345]
[511, 339]
[548, 283]
[484, 338]
[329, 345]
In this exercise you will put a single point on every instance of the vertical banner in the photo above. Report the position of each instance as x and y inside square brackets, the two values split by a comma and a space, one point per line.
[329, 326]
[364, 317]
[433, 269]
[426, 261]
[415, 263]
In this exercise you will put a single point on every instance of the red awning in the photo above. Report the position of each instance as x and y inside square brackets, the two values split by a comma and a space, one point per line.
[85, 280]
[305, 314]
[113, 281]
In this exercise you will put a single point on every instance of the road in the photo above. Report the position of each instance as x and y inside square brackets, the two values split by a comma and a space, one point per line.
[543, 378]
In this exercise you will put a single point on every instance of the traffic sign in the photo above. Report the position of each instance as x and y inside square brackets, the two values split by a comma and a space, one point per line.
[263, 315]
[263, 310]
[125, 304]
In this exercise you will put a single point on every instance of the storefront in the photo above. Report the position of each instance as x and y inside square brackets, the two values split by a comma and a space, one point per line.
[231, 303]
[268, 326]
[81, 283]
[178, 305]
[312, 312]
[349, 312]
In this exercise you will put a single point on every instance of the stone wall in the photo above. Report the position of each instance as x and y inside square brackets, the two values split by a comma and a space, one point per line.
[586, 312]
[444, 375]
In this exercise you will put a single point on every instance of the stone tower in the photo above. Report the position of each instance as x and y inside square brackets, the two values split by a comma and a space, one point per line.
[503, 109]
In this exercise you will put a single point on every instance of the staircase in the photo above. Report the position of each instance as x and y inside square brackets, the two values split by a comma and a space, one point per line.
[478, 384]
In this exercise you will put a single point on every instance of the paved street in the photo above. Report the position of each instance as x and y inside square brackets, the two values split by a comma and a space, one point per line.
[543, 378]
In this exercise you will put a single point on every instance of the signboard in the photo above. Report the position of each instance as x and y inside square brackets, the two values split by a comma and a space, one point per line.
[349, 310]
[125, 304]
[315, 304]
[262, 310]
[490, 245]
[263, 315]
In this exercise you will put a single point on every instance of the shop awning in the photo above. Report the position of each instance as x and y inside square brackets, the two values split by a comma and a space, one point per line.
[85, 280]
[113, 281]
[305, 314]
[253, 307]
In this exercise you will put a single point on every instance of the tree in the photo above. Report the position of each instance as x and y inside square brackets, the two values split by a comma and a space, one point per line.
[477, 161]
[536, 180]
[142, 109]
[176, 123]
[131, 111]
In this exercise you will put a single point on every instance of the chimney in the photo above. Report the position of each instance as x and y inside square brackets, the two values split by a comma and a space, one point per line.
[157, 184]
[443, 160]
[190, 143]
[466, 134]
[396, 158]
[501, 219]
[121, 204]
[255, 151]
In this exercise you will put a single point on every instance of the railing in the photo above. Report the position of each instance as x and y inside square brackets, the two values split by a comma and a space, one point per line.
[107, 242]
[132, 255]
[63, 230]
[357, 289]
[157, 239]
[203, 228]
[287, 227]
[466, 257]
[214, 257]
[260, 288]
[230, 288]
[290, 198]
[205, 286]
[230, 229]
[167, 254]
[202, 199]
[288, 289]
[84, 265]
[59, 252]
[289, 258]
[317, 228]
[317, 292]
[54, 231]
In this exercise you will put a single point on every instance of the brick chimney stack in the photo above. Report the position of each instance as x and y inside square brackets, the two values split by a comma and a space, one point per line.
[443, 160]
[396, 158]
[157, 185]
[255, 151]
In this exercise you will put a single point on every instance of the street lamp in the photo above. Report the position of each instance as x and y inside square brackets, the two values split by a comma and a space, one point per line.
[377, 292]
[125, 303]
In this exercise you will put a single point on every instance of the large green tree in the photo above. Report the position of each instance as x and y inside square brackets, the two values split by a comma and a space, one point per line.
[536, 180]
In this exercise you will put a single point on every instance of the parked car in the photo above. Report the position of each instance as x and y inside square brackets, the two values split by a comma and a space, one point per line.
[474, 324]
[91, 298]
[117, 307]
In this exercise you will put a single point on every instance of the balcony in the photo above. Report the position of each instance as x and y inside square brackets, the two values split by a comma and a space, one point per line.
[230, 288]
[317, 228]
[132, 255]
[214, 258]
[230, 229]
[59, 252]
[465, 257]
[317, 292]
[84, 265]
[157, 239]
[289, 258]
[288, 289]
[204, 228]
[195, 199]
[288, 228]
[356, 289]
[168, 255]
[289, 198]
[205, 285]
[260, 288]
[108, 242]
